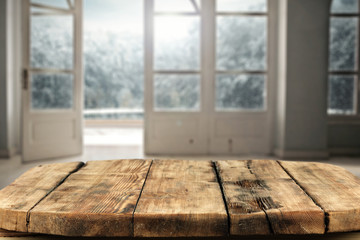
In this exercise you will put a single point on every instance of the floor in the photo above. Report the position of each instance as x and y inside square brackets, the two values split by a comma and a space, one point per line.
[104, 143]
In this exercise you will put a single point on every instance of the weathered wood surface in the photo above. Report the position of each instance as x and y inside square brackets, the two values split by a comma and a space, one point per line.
[333, 188]
[97, 200]
[263, 199]
[176, 198]
[181, 199]
[17, 199]
[333, 236]
[12, 234]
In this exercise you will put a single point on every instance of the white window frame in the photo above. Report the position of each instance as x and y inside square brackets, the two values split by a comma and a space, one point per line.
[149, 58]
[346, 118]
[264, 72]
[52, 144]
[209, 131]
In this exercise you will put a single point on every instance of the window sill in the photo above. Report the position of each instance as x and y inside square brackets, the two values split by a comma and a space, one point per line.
[344, 119]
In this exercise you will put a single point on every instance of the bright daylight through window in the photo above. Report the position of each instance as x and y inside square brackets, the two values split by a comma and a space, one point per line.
[177, 61]
[113, 53]
[51, 47]
[113, 59]
[241, 61]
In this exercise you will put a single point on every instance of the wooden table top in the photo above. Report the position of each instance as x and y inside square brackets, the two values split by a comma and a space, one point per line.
[178, 198]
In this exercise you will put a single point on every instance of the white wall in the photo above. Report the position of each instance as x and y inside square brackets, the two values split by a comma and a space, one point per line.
[10, 76]
[14, 73]
[344, 138]
[302, 82]
[3, 80]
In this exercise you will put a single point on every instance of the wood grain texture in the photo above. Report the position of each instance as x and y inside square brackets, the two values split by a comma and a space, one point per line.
[24, 193]
[98, 200]
[263, 199]
[336, 190]
[177, 198]
[336, 236]
[6, 233]
[181, 199]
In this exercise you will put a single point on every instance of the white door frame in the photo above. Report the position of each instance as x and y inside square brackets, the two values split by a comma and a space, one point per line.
[53, 133]
[241, 131]
[222, 132]
[190, 126]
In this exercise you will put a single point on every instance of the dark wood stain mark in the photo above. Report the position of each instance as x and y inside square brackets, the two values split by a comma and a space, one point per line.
[267, 203]
[252, 184]
[263, 202]
[129, 208]
[248, 165]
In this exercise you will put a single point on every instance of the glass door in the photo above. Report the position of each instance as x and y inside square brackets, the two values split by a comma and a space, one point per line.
[52, 99]
[174, 107]
[207, 77]
[240, 116]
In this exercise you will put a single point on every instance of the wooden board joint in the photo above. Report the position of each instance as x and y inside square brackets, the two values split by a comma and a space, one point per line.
[326, 219]
[218, 177]
[137, 202]
[77, 168]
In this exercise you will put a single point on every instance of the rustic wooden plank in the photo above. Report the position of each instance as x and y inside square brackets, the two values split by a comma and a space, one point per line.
[181, 199]
[338, 236]
[98, 200]
[336, 190]
[6, 233]
[263, 199]
[26, 191]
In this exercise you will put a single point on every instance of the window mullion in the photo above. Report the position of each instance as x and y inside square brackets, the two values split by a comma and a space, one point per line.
[208, 54]
[149, 56]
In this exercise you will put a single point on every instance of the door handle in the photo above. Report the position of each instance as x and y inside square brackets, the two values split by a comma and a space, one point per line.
[25, 80]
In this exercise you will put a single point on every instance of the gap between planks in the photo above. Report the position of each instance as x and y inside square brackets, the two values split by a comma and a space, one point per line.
[220, 181]
[218, 178]
[260, 203]
[270, 219]
[142, 188]
[326, 220]
[78, 167]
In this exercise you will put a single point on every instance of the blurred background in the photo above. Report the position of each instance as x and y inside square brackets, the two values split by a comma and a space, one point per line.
[84, 80]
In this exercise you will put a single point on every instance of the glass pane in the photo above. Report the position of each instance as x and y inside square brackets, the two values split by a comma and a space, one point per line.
[345, 6]
[241, 43]
[176, 5]
[341, 95]
[49, 91]
[52, 3]
[177, 43]
[52, 42]
[113, 55]
[177, 92]
[343, 41]
[240, 92]
[241, 5]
